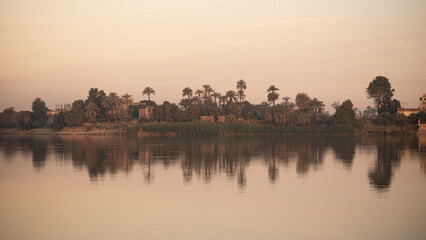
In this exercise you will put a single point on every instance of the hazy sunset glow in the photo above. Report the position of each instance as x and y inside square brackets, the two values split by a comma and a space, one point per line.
[329, 49]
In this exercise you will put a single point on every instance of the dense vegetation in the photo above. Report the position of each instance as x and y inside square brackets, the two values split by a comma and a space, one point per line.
[238, 128]
[304, 115]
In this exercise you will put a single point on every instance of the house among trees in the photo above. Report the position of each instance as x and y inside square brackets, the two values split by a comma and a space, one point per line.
[207, 118]
[58, 108]
[422, 103]
[409, 111]
[145, 110]
[221, 119]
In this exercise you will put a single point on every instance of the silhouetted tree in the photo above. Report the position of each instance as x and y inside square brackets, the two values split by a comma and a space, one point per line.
[76, 118]
[272, 94]
[381, 91]
[148, 91]
[302, 101]
[345, 113]
[39, 116]
[187, 92]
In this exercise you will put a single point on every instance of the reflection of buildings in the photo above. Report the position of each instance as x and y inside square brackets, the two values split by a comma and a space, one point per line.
[423, 164]
[422, 152]
[422, 128]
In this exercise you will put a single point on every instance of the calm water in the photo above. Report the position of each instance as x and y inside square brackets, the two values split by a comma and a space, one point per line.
[212, 188]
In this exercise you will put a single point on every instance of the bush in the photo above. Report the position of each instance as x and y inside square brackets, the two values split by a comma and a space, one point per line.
[384, 119]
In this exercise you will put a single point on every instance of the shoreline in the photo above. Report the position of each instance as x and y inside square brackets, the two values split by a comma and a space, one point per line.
[49, 131]
[216, 129]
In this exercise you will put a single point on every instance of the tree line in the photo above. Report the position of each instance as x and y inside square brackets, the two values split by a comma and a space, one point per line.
[303, 111]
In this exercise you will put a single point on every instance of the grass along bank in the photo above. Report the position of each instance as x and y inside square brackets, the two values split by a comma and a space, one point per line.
[221, 129]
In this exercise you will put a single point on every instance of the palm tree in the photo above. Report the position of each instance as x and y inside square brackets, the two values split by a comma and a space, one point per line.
[303, 118]
[223, 100]
[185, 103]
[187, 92]
[286, 99]
[335, 105]
[317, 107]
[115, 102]
[241, 95]
[216, 95]
[91, 111]
[272, 94]
[127, 100]
[302, 101]
[272, 97]
[231, 95]
[113, 95]
[272, 88]
[107, 104]
[195, 99]
[122, 115]
[199, 92]
[241, 86]
[207, 91]
[148, 91]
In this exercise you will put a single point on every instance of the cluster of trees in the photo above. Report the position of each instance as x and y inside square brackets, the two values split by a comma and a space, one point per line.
[204, 102]
[232, 104]
[10, 118]
[385, 112]
[100, 107]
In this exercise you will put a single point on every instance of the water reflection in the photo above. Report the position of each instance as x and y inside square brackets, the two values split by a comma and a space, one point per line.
[344, 150]
[422, 152]
[206, 158]
[389, 151]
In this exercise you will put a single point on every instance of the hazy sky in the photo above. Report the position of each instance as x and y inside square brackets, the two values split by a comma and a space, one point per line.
[330, 49]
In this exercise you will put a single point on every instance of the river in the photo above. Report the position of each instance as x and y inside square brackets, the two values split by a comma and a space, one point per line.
[118, 187]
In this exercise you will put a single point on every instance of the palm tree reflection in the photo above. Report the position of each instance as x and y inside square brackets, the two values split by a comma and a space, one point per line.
[344, 150]
[209, 158]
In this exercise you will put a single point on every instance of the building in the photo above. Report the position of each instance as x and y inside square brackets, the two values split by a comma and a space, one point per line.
[145, 112]
[422, 103]
[408, 111]
[207, 118]
[50, 115]
[221, 119]
[144, 109]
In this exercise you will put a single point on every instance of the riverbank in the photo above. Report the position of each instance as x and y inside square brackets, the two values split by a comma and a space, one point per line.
[65, 131]
[218, 129]
[223, 129]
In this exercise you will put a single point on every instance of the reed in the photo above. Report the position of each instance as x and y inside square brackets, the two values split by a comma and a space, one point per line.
[220, 129]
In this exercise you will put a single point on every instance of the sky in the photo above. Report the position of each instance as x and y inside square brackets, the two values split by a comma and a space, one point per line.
[329, 49]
